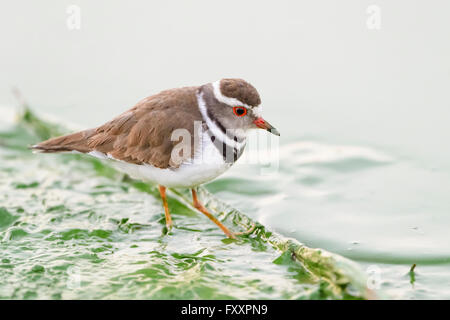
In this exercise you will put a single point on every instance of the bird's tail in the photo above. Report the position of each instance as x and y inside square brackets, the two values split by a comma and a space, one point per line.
[77, 141]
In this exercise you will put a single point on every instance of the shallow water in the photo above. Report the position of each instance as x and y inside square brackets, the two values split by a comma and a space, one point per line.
[371, 205]
[70, 229]
[363, 115]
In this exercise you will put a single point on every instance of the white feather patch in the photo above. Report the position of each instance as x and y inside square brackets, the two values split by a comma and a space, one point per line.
[98, 154]
[206, 165]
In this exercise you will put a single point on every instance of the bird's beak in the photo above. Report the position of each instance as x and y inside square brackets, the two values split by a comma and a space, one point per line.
[263, 124]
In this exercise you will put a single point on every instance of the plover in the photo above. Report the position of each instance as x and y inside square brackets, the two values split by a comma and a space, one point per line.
[178, 138]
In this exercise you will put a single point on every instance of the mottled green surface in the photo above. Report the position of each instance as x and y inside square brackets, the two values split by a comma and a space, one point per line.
[72, 228]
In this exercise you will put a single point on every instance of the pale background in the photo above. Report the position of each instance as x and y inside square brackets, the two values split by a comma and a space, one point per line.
[323, 75]
[318, 67]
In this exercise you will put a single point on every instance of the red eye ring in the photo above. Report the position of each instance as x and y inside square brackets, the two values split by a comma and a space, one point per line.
[240, 111]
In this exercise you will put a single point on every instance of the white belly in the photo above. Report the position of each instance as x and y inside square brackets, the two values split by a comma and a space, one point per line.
[205, 166]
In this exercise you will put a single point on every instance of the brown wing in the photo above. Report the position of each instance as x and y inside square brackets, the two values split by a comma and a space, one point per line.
[140, 135]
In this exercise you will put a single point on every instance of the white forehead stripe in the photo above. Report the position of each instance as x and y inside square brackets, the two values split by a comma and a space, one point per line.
[257, 111]
[233, 102]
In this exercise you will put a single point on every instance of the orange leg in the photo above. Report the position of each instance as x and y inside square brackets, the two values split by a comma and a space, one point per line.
[199, 206]
[162, 191]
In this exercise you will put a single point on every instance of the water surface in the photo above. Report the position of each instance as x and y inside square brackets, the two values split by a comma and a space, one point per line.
[363, 115]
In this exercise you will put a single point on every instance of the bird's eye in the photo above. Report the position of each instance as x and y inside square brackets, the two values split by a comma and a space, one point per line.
[240, 111]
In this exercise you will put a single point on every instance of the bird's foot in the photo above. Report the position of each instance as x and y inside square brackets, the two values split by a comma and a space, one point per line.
[247, 232]
[200, 207]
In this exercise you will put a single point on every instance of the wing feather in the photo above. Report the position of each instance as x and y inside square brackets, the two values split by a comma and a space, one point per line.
[142, 135]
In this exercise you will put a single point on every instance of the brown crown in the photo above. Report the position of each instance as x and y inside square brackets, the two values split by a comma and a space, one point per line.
[241, 90]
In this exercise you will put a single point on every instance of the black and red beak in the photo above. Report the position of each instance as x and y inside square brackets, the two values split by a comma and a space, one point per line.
[263, 124]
